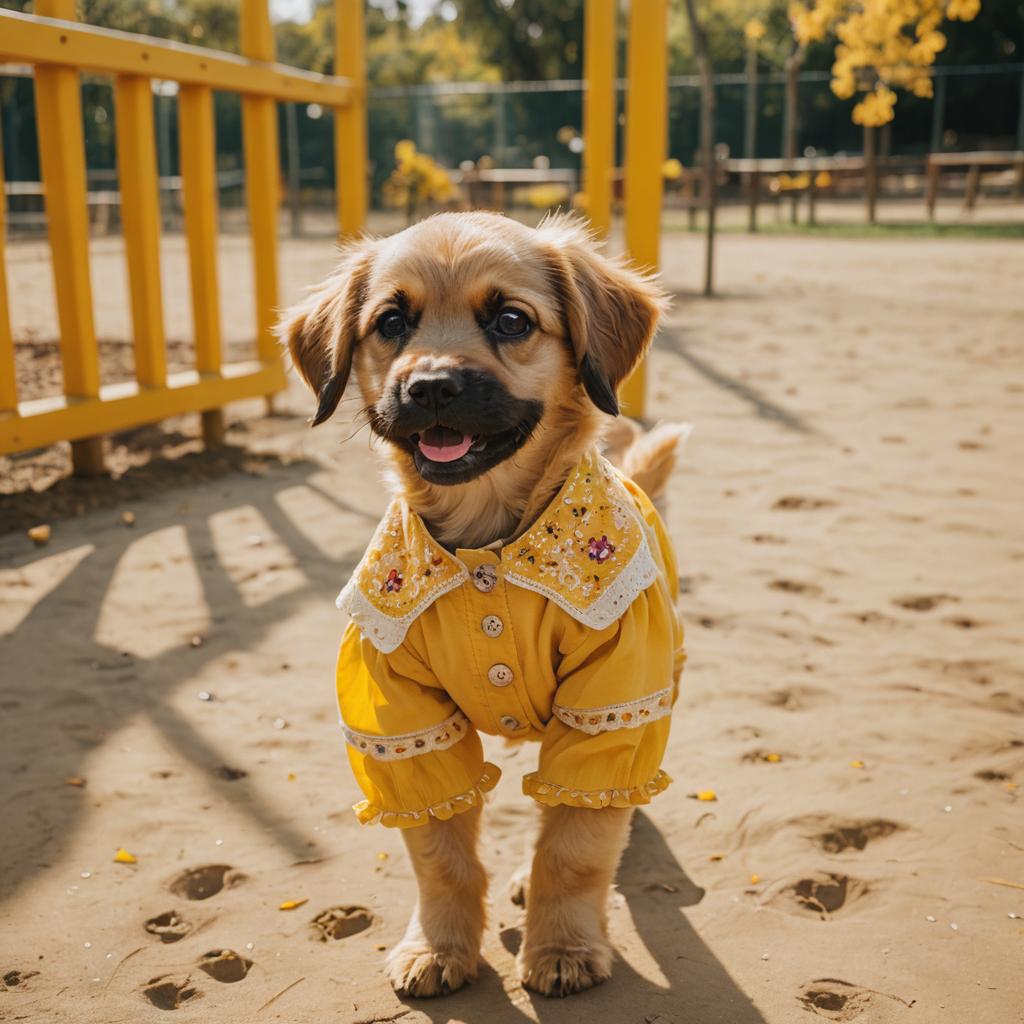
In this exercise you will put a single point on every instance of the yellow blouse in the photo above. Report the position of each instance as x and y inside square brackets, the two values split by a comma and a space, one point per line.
[568, 635]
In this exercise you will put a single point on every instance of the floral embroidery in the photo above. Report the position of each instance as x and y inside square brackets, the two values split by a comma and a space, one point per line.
[616, 716]
[588, 552]
[410, 744]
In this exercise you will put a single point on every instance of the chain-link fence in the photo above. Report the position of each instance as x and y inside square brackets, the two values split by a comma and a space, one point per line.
[517, 125]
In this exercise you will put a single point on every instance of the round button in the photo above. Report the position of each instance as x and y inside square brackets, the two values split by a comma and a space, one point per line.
[492, 625]
[500, 674]
[510, 724]
[485, 578]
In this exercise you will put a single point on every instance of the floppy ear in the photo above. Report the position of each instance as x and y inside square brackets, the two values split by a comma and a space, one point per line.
[610, 310]
[321, 331]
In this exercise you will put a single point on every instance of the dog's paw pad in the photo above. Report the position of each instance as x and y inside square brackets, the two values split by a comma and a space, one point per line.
[419, 971]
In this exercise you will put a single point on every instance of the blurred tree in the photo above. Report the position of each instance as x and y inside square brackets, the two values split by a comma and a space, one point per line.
[882, 44]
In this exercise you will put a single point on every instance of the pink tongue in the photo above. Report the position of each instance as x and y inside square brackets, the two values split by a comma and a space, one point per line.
[448, 452]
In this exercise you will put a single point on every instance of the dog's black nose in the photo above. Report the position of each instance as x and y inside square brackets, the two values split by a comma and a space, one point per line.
[435, 390]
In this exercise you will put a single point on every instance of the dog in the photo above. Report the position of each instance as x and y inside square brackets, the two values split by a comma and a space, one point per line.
[518, 585]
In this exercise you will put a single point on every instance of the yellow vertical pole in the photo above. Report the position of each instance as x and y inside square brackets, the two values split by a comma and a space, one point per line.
[262, 178]
[646, 128]
[599, 111]
[350, 121]
[62, 155]
[8, 379]
[199, 183]
[140, 218]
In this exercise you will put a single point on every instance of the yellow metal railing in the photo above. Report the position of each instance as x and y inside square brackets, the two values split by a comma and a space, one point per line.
[646, 137]
[60, 49]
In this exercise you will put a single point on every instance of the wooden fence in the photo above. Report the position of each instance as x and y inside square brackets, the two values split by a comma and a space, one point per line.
[60, 49]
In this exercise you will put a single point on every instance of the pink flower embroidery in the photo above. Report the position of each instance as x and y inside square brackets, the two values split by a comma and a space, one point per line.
[393, 583]
[601, 550]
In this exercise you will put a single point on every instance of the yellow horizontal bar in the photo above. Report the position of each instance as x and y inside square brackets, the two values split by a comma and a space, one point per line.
[122, 406]
[34, 40]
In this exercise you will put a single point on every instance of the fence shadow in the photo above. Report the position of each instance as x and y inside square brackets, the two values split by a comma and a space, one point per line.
[65, 693]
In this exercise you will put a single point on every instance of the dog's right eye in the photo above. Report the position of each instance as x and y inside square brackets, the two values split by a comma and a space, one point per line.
[392, 324]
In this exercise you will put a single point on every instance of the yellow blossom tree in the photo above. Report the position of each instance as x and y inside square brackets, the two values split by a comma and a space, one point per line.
[418, 178]
[883, 44]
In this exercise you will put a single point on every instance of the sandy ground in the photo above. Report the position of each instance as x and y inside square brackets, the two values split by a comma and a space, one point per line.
[848, 521]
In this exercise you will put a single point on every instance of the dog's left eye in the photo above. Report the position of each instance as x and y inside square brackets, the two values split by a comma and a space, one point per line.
[512, 323]
[392, 324]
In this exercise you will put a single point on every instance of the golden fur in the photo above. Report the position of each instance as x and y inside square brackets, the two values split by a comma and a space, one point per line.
[595, 318]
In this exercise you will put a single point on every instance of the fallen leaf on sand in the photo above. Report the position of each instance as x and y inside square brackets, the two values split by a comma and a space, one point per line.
[706, 795]
[856, 764]
[40, 535]
[773, 758]
[754, 879]
[74, 780]
[124, 857]
[292, 904]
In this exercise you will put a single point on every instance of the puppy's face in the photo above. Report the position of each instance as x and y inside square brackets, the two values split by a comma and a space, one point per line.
[467, 332]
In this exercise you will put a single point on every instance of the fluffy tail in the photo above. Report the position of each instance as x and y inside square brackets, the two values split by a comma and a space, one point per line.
[647, 458]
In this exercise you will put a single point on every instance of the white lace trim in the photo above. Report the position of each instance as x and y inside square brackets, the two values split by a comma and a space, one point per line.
[370, 815]
[639, 573]
[409, 744]
[630, 715]
[385, 632]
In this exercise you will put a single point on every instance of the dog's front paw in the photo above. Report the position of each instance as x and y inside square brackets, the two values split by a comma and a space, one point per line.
[415, 969]
[554, 971]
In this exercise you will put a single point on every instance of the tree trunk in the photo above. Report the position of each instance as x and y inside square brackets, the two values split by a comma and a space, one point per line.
[790, 121]
[707, 138]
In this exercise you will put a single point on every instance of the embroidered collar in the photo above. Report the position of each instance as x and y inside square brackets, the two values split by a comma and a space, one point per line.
[587, 552]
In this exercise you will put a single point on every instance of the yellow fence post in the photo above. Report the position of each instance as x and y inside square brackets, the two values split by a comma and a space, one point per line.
[262, 178]
[62, 155]
[8, 378]
[140, 220]
[599, 112]
[646, 117]
[350, 120]
[199, 184]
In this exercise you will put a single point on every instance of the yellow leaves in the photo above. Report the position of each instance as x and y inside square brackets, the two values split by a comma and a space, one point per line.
[672, 169]
[963, 10]
[754, 879]
[706, 795]
[74, 780]
[882, 43]
[856, 764]
[416, 178]
[822, 179]
[876, 108]
[543, 197]
[124, 857]
[775, 758]
[292, 904]
[40, 535]
[754, 30]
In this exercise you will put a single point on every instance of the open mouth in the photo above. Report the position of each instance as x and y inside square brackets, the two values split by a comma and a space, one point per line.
[445, 455]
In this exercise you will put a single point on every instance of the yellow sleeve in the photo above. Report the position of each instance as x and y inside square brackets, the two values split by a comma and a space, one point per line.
[604, 743]
[413, 752]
